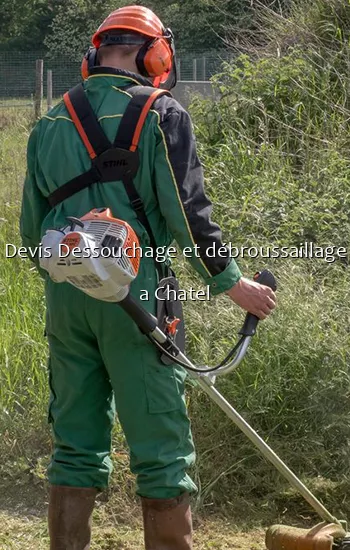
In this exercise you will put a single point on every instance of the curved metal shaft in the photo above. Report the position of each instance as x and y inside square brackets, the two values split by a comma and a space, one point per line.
[233, 364]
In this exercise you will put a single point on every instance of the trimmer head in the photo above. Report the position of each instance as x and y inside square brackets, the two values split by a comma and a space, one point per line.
[324, 536]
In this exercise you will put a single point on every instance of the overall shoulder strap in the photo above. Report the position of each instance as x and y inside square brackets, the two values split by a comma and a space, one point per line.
[85, 121]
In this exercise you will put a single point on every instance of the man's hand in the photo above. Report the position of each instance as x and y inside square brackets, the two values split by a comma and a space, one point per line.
[253, 297]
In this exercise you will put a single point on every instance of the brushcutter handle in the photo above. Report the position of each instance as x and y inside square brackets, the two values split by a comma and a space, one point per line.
[251, 321]
[146, 322]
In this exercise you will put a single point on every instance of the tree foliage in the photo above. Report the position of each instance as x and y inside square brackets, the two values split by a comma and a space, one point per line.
[66, 26]
[24, 25]
[74, 23]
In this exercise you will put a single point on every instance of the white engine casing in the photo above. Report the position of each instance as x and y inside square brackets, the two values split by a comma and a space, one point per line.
[76, 257]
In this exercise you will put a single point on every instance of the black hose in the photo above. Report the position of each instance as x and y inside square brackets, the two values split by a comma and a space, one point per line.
[195, 369]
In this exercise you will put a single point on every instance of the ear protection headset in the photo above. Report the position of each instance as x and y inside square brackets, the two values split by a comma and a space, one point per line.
[155, 59]
[89, 61]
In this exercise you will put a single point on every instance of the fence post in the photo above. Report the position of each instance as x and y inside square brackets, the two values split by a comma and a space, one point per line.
[39, 87]
[195, 70]
[204, 68]
[49, 89]
[179, 69]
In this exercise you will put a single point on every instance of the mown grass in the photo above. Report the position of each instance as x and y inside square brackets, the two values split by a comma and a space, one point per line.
[275, 149]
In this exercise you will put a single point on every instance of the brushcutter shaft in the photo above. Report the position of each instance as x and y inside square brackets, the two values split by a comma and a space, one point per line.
[146, 322]
[264, 449]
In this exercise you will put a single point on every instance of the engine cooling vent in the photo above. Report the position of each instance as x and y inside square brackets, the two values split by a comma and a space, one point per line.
[85, 282]
[125, 263]
[69, 261]
[99, 229]
[96, 229]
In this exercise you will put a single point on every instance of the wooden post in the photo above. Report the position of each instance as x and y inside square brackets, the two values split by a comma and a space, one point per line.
[49, 89]
[195, 70]
[39, 87]
[204, 68]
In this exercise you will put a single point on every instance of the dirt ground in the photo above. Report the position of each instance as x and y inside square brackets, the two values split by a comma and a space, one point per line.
[116, 527]
[30, 533]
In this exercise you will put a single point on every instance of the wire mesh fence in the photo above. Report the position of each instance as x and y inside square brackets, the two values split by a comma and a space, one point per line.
[18, 74]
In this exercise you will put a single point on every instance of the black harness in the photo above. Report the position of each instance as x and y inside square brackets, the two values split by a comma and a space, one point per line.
[119, 161]
[110, 161]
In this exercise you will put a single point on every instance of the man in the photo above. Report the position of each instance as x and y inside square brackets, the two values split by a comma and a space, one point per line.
[99, 361]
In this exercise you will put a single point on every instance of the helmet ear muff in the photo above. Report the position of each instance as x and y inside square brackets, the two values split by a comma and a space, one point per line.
[155, 57]
[89, 61]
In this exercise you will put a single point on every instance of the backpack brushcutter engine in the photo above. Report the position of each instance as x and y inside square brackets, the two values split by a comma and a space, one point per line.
[93, 254]
[100, 255]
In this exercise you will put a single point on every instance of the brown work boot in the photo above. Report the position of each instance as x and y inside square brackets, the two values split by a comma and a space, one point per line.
[167, 523]
[70, 512]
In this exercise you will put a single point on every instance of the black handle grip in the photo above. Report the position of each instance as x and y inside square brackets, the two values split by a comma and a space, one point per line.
[146, 322]
[251, 321]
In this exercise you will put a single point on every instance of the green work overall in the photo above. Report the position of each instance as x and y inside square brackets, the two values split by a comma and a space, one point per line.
[100, 364]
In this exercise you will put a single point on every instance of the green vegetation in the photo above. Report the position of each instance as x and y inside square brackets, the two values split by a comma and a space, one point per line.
[275, 145]
[66, 26]
[276, 152]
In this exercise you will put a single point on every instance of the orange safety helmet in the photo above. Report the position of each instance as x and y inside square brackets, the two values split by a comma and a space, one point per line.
[156, 57]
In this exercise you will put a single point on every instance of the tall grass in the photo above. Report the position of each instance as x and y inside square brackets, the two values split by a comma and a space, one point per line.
[275, 147]
[275, 144]
[23, 387]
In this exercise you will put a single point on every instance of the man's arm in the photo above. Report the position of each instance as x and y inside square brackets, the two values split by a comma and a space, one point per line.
[34, 205]
[187, 210]
[184, 204]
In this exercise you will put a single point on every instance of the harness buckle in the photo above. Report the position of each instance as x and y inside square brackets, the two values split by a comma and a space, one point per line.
[137, 204]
